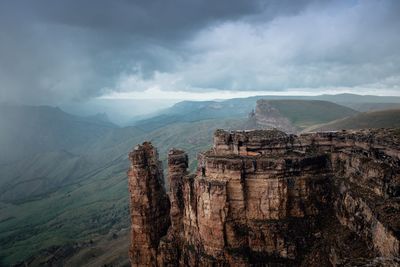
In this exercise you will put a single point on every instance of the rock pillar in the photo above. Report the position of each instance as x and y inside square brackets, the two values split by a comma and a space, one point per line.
[149, 205]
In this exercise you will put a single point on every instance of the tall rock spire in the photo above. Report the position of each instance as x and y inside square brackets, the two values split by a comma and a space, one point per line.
[149, 205]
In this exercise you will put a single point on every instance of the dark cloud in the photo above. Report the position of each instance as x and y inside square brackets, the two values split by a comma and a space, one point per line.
[57, 51]
[151, 19]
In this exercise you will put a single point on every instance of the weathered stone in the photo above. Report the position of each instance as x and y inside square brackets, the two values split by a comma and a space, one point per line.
[266, 198]
[149, 205]
[177, 169]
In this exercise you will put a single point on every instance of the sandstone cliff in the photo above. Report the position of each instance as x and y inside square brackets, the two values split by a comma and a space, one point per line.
[265, 198]
[149, 204]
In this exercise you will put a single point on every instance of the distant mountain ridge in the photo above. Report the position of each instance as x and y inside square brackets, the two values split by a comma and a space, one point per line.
[27, 130]
[74, 168]
[190, 111]
[354, 98]
[374, 119]
[291, 116]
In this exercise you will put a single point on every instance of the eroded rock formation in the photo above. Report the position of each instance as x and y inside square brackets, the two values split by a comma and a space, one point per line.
[150, 205]
[265, 198]
[266, 116]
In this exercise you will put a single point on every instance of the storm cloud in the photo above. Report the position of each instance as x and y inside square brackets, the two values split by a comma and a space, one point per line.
[58, 51]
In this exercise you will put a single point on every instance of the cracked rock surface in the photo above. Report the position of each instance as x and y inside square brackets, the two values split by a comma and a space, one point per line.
[266, 198]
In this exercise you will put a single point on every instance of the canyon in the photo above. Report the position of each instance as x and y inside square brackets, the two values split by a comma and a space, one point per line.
[267, 198]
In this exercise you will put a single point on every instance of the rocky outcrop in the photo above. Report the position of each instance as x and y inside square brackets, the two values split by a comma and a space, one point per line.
[266, 116]
[149, 205]
[266, 198]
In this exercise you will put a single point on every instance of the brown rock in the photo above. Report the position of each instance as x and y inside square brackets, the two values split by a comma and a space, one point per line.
[177, 169]
[149, 205]
[268, 198]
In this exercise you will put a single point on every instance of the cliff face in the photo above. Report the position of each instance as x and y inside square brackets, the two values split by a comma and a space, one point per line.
[271, 199]
[150, 206]
[266, 116]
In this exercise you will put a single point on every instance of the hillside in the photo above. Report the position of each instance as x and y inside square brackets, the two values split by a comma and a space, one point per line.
[374, 119]
[48, 148]
[303, 113]
[27, 130]
[354, 98]
[93, 204]
[367, 106]
[70, 195]
[192, 111]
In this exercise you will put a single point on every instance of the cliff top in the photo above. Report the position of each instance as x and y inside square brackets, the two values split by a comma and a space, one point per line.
[261, 134]
[143, 154]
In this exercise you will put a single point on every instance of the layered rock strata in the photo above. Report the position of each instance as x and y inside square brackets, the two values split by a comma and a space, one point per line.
[149, 205]
[265, 198]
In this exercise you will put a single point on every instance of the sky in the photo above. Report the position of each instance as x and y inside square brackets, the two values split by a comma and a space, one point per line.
[54, 52]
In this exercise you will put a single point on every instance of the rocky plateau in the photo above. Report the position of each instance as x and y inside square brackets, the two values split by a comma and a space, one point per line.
[267, 198]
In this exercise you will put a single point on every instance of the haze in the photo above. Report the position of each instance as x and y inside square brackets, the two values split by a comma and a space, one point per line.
[69, 53]
[83, 83]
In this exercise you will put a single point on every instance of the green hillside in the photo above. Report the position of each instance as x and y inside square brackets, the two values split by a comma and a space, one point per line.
[192, 111]
[27, 130]
[375, 119]
[354, 98]
[70, 195]
[303, 113]
[365, 107]
[93, 203]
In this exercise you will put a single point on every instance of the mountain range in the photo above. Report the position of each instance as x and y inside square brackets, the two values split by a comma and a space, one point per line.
[63, 185]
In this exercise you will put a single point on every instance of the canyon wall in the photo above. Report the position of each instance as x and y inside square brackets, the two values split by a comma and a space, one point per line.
[266, 198]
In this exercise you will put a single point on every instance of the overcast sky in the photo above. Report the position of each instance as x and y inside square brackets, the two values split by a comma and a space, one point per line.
[54, 51]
